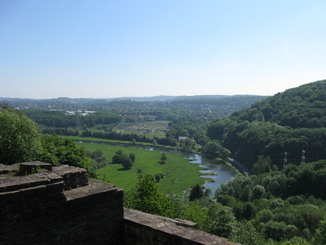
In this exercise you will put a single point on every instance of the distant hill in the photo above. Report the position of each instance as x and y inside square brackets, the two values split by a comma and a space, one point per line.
[304, 106]
[150, 98]
[201, 106]
[289, 127]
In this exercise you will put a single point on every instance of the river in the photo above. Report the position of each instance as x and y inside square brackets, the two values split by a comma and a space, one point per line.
[223, 173]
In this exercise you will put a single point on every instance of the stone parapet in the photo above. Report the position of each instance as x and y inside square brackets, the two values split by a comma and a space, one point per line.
[38, 209]
[142, 228]
[72, 176]
[19, 183]
[34, 167]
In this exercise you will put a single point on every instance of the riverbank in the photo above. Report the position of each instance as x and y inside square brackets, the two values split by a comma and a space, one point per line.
[234, 169]
[177, 173]
[236, 166]
[219, 172]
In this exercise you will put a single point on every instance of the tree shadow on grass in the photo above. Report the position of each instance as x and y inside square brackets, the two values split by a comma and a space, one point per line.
[123, 169]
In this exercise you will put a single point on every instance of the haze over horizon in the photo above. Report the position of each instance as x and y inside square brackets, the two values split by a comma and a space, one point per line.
[110, 49]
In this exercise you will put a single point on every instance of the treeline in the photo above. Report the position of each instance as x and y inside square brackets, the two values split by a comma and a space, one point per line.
[287, 128]
[59, 119]
[112, 135]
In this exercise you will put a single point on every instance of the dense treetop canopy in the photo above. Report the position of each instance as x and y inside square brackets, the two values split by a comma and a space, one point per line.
[20, 139]
[301, 107]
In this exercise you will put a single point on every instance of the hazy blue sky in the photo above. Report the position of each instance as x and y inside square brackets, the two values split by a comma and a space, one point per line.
[116, 48]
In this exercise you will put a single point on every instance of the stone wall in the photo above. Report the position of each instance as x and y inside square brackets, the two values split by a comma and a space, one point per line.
[142, 228]
[35, 209]
[61, 207]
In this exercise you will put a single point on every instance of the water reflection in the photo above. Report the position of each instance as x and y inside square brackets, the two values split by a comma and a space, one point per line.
[223, 173]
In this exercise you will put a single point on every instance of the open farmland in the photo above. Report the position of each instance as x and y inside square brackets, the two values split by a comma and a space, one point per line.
[149, 129]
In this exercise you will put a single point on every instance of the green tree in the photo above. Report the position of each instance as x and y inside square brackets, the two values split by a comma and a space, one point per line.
[223, 221]
[264, 216]
[117, 158]
[246, 194]
[224, 153]
[157, 177]
[20, 139]
[60, 151]
[297, 240]
[212, 148]
[258, 191]
[321, 232]
[247, 234]
[132, 157]
[126, 161]
[148, 198]
[274, 230]
[198, 214]
[196, 192]
[99, 157]
[262, 165]
[226, 200]
[121, 158]
[187, 145]
[163, 158]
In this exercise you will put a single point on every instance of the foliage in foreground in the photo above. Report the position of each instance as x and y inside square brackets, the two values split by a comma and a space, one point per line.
[58, 151]
[20, 139]
[209, 215]
[148, 198]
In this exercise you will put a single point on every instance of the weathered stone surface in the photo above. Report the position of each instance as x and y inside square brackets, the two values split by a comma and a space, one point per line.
[73, 177]
[142, 228]
[95, 187]
[8, 169]
[35, 209]
[27, 181]
[32, 167]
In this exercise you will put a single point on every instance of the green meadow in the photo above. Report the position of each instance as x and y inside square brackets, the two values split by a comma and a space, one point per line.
[179, 173]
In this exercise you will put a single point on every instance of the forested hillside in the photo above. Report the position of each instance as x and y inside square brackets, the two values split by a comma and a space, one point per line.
[285, 205]
[288, 127]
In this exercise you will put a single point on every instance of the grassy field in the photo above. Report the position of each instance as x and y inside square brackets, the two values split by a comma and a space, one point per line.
[150, 129]
[179, 173]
